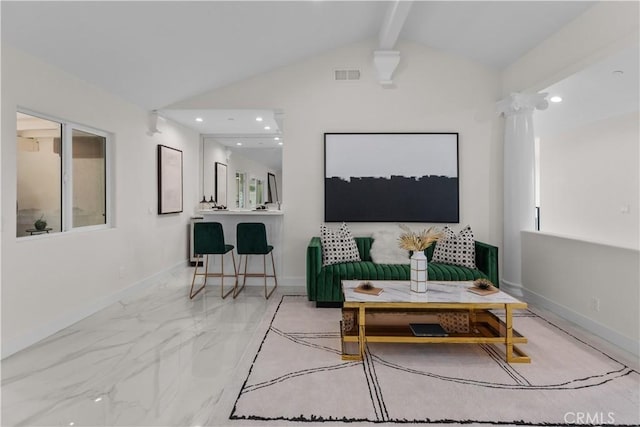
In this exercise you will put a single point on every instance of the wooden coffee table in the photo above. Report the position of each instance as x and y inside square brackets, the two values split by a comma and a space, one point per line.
[441, 297]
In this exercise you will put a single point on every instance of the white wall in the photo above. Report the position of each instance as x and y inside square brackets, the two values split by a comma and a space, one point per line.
[592, 284]
[587, 176]
[563, 273]
[50, 281]
[433, 92]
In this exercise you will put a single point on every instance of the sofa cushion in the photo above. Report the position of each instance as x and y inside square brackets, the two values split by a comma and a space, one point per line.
[456, 249]
[367, 270]
[338, 246]
[385, 249]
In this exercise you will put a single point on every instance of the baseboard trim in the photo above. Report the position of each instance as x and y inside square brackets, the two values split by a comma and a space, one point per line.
[604, 332]
[40, 333]
[299, 281]
[294, 281]
[511, 288]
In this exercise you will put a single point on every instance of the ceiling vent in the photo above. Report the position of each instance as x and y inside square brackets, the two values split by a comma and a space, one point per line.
[346, 74]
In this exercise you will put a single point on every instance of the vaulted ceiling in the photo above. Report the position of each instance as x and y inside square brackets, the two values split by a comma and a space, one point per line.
[155, 53]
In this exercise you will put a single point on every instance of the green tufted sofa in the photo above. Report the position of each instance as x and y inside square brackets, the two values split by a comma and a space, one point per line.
[323, 283]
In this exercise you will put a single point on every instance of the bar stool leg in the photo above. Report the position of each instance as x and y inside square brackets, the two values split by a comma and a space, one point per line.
[246, 262]
[206, 269]
[275, 278]
[222, 277]
[237, 291]
[195, 273]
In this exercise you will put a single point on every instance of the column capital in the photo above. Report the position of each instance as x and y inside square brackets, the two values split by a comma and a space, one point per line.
[520, 103]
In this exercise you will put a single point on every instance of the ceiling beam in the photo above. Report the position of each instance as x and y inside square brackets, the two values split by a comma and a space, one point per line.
[393, 22]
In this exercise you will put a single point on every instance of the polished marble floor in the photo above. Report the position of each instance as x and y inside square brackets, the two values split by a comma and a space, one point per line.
[156, 359]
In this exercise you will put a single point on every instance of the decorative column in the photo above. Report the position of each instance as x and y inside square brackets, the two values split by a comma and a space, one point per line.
[519, 181]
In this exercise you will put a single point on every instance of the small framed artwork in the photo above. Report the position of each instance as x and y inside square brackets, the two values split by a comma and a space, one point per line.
[169, 180]
[221, 184]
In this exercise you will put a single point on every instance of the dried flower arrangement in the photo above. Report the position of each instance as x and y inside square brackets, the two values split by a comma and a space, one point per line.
[483, 284]
[412, 241]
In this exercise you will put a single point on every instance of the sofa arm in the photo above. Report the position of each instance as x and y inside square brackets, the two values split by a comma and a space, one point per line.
[487, 261]
[314, 264]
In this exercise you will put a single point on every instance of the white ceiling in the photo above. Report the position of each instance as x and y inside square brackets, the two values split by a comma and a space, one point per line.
[229, 122]
[156, 53]
[260, 149]
[605, 89]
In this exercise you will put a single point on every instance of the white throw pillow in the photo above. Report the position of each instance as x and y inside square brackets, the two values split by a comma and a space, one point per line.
[338, 246]
[385, 249]
[455, 249]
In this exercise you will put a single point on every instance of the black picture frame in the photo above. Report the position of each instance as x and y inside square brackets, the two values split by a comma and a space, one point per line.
[391, 177]
[170, 180]
[221, 184]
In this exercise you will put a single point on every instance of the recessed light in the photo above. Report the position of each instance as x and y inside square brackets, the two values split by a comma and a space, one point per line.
[238, 143]
[258, 119]
[231, 118]
[280, 143]
[618, 73]
[276, 139]
[97, 399]
[199, 119]
[267, 128]
[555, 98]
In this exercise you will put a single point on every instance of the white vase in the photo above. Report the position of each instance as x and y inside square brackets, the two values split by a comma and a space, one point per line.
[419, 272]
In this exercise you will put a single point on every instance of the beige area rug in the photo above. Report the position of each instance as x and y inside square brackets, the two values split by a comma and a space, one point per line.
[296, 376]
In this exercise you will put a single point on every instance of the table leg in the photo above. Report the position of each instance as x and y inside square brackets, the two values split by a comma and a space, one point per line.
[361, 330]
[520, 357]
[509, 333]
[472, 321]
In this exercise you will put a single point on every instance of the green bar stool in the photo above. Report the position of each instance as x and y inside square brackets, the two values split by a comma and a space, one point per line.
[251, 238]
[208, 239]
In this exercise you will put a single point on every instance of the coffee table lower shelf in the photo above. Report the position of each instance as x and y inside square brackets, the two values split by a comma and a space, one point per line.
[487, 329]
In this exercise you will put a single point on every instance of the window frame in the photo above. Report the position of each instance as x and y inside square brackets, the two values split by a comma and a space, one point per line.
[66, 178]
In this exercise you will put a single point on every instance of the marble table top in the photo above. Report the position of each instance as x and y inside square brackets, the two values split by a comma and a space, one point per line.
[437, 292]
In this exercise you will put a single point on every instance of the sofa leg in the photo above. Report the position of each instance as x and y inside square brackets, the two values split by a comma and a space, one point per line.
[328, 304]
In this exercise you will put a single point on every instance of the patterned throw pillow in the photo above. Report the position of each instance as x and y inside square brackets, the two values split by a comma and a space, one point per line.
[456, 249]
[338, 246]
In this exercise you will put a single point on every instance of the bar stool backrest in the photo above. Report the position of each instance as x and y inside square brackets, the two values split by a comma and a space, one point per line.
[208, 238]
[251, 238]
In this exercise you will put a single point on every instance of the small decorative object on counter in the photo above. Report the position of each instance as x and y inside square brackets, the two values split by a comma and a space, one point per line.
[203, 203]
